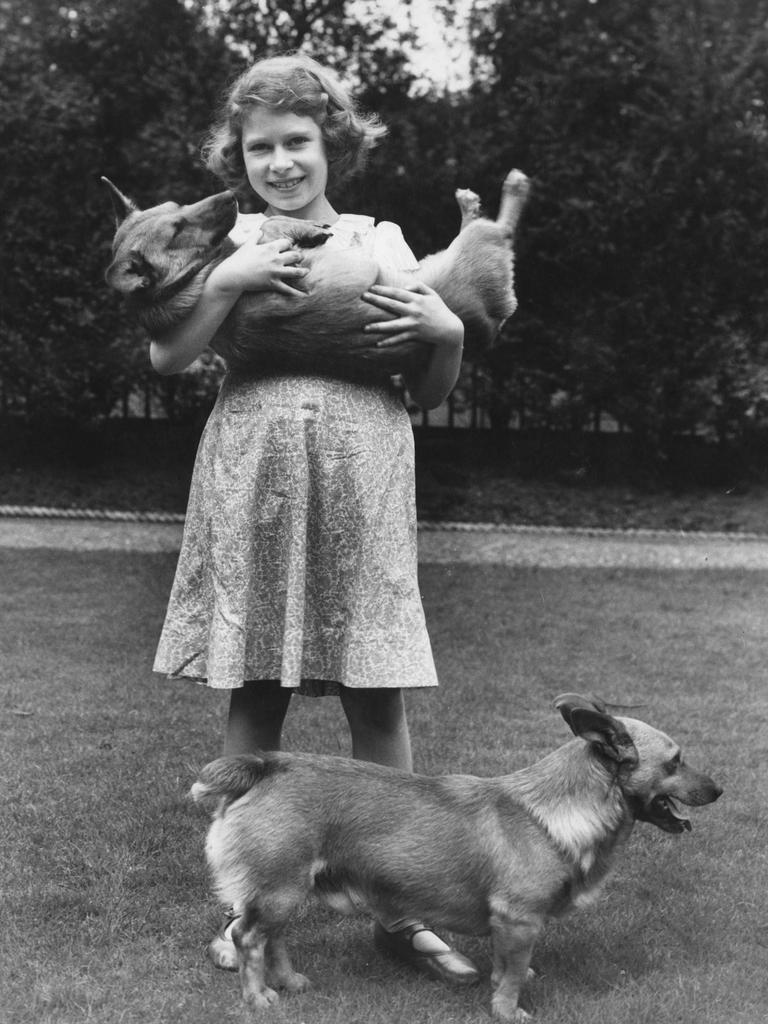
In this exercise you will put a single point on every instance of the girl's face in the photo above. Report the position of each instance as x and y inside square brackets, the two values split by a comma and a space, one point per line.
[285, 162]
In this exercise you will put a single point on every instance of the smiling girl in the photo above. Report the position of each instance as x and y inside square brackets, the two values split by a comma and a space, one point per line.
[298, 569]
[285, 161]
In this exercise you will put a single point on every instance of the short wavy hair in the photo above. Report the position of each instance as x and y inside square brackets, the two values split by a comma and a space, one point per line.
[295, 84]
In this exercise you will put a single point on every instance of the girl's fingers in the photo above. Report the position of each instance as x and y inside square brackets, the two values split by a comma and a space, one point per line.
[399, 301]
[278, 244]
[393, 324]
[396, 339]
[399, 307]
[286, 289]
[394, 332]
[280, 247]
[401, 294]
[290, 277]
[381, 300]
[289, 259]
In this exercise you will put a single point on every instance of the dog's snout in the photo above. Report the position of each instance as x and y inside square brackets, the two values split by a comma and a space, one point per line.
[703, 791]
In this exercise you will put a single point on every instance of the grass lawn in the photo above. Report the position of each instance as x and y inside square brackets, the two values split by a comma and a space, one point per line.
[106, 911]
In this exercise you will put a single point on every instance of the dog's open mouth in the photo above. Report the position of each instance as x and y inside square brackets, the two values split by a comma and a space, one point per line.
[663, 812]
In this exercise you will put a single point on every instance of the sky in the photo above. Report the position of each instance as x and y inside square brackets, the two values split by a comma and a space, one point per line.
[443, 56]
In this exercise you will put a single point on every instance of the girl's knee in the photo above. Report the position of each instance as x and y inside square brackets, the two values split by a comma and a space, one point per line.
[379, 710]
[378, 726]
[256, 714]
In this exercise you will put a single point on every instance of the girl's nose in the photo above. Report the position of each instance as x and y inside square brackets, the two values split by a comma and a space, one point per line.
[281, 159]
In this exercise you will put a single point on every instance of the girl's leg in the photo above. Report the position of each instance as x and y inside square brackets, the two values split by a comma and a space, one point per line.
[378, 726]
[379, 730]
[256, 714]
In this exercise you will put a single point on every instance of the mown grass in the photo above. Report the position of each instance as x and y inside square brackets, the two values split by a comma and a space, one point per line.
[106, 910]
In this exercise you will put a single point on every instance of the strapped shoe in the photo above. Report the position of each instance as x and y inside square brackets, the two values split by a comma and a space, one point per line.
[221, 948]
[448, 965]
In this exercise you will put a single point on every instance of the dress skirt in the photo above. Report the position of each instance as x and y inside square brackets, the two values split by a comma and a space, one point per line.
[298, 560]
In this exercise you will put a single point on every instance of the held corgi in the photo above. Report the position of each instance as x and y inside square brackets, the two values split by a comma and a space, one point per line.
[473, 855]
[161, 258]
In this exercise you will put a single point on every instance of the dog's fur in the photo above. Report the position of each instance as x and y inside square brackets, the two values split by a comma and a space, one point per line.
[162, 257]
[473, 855]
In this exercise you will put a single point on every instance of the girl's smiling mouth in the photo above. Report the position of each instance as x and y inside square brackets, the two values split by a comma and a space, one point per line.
[285, 184]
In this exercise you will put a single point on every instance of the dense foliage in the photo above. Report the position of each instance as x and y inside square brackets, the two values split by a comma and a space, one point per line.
[644, 273]
[641, 274]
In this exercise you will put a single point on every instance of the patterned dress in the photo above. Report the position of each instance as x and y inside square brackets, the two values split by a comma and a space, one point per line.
[298, 560]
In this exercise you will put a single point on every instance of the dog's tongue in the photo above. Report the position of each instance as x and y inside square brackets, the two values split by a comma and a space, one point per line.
[667, 809]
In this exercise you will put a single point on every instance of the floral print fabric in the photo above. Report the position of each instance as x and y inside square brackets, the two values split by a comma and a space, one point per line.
[298, 560]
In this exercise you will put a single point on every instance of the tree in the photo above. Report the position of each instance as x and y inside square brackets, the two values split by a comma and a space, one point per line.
[125, 88]
[642, 256]
[86, 89]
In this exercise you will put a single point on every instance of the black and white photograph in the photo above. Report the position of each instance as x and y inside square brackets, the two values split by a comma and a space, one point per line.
[384, 511]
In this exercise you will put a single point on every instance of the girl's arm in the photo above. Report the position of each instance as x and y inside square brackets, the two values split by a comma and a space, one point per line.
[421, 315]
[251, 268]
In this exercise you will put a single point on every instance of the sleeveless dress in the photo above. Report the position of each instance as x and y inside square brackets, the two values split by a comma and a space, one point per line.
[298, 559]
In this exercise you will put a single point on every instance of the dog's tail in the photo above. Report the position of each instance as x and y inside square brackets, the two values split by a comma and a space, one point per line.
[229, 778]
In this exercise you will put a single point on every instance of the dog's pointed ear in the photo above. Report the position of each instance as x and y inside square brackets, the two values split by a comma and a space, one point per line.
[566, 703]
[121, 204]
[587, 718]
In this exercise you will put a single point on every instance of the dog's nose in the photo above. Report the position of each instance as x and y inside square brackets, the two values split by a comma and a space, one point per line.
[710, 792]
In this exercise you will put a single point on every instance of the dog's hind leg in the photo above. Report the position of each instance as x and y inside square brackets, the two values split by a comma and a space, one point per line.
[259, 938]
[513, 940]
[250, 942]
[469, 205]
[279, 969]
[514, 194]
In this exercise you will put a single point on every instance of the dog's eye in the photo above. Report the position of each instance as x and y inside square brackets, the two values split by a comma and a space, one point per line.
[673, 763]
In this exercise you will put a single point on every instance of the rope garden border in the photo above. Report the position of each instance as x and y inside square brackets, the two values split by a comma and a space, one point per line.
[131, 516]
[94, 514]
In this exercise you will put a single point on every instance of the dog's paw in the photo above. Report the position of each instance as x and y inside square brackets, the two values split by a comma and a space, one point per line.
[517, 184]
[506, 1009]
[294, 982]
[259, 998]
[469, 205]
[305, 234]
[516, 1015]
[530, 975]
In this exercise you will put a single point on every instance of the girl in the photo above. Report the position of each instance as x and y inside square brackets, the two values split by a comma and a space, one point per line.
[297, 572]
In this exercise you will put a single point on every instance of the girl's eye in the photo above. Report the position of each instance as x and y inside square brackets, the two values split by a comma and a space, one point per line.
[299, 140]
[258, 147]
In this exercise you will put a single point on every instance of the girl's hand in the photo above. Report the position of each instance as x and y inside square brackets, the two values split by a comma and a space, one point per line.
[417, 313]
[273, 266]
